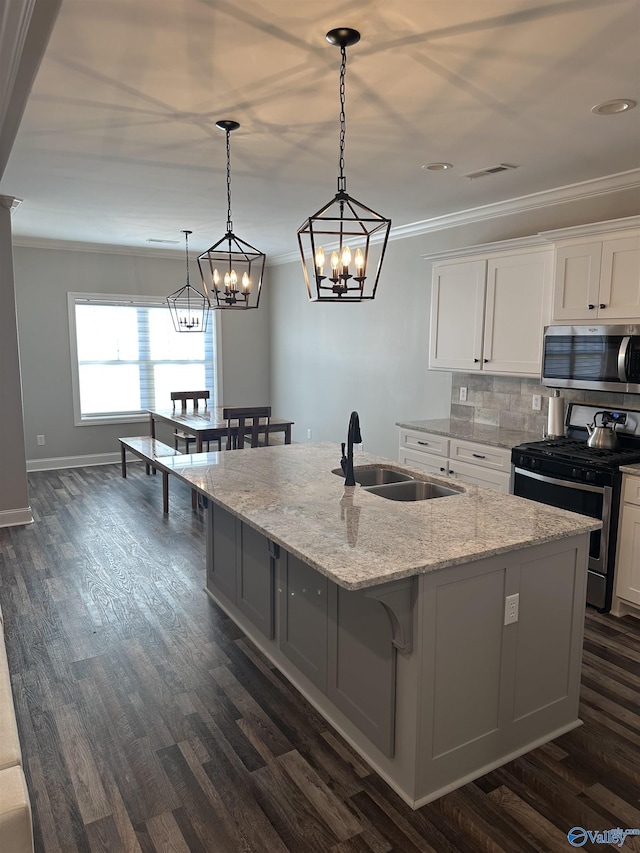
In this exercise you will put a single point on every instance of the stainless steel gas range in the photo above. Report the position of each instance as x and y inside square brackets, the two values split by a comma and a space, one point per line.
[567, 473]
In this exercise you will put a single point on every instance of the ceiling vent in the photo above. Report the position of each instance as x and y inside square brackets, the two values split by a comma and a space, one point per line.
[491, 170]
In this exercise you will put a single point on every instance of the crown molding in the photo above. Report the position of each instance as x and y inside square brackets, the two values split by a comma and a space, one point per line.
[95, 248]
[560, 195]
[593, 229]
[545, 198]
[535, 242]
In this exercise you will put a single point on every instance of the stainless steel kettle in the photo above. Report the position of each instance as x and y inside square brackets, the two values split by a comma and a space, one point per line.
[602, 437]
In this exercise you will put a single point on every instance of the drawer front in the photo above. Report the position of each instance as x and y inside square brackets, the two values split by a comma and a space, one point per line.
[424, 442]
[477, 476]
[631, 489]
[423, 461]
[495, 458]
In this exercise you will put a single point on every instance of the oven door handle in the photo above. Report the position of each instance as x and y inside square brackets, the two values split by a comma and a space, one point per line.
[583, 487]
[622, 358]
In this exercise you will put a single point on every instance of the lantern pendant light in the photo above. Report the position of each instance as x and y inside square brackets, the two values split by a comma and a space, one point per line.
[189, 308]
[345, 229]
[231, 269]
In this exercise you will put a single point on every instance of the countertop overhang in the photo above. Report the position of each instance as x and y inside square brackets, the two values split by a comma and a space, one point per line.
[359, 539]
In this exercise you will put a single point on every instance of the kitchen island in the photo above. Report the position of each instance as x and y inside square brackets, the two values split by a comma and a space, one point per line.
[389, 616]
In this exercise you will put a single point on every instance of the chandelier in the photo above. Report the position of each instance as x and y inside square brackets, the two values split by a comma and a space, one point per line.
[189, 308]
[231, 269]
[344, 229]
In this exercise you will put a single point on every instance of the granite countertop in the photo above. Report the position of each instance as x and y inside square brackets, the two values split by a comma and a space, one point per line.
[358, 539]
[631, 469]
[468, 431]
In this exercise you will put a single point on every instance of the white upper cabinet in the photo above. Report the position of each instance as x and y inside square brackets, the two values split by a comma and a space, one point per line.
[597, 279]
[488, 312]
[516, 311]
[457, 315]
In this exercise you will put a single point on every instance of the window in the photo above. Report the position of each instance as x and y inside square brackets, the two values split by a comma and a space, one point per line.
[126, 357]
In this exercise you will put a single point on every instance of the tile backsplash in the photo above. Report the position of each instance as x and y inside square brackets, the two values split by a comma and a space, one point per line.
[506, 401]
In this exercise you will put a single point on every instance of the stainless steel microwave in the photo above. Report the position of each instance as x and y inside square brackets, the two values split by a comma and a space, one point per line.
[600, 358]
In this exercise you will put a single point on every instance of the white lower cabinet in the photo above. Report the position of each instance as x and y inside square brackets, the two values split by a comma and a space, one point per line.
[627, 586]
[478, 464]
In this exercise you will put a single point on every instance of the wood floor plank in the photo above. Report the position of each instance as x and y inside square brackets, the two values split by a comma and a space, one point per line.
[149, 723]
[340, 819]
[85, 777]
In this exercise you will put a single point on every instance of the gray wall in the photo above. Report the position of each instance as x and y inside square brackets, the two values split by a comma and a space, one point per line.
[327, 359]
[44, 277]
[14, 498]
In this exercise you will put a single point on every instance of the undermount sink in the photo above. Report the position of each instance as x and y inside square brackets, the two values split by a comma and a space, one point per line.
[375, 476]
[397, 486]
[413, 490]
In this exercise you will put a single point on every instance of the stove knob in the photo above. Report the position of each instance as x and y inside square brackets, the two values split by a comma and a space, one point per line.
[534, 464]
[590, 475]
[575, 473]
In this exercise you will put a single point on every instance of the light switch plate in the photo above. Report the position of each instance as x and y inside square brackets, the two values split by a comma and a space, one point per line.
[463, 394]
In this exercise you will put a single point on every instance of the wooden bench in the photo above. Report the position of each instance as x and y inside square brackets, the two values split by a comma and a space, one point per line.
[151, 451]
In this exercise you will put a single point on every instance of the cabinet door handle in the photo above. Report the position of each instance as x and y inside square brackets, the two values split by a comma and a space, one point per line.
[591, 307]
[450, 471]
[443, 470]
[476, 360]
[479, 455]
[602, 305]
[426, 443]
[485, 360]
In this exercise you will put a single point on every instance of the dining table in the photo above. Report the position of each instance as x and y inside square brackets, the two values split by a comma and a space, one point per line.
[208, 424]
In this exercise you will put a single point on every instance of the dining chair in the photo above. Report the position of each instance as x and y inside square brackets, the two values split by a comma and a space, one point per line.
[248, 421]
[185, 397]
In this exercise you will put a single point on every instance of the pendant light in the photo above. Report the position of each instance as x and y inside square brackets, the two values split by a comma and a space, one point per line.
[189, 308]
[336, 242]
[231, 269]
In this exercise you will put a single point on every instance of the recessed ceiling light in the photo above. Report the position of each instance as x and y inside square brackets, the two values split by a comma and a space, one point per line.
[437, 167]
[610, 108]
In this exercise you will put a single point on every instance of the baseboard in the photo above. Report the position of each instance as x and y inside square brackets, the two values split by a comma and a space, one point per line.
[57, 462]
[16, 517]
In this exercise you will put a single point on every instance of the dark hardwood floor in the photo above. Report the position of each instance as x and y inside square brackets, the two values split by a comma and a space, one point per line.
[149, 723]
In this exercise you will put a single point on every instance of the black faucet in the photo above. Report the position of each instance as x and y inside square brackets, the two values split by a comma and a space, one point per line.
[353, 437]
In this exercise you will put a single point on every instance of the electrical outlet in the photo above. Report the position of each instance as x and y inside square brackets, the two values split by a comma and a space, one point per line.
[511, 605]
[463, 394]
[40, 440]
[536, 402]
[309, 435]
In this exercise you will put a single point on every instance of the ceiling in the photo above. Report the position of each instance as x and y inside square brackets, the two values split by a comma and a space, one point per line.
[118, 143]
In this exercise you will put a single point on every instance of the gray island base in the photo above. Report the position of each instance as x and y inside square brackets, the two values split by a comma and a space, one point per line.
[409, 659]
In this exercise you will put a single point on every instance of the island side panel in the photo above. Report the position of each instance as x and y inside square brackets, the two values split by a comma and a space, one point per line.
[362, 664]
[492, 691]
[222, 547]
[303, 618]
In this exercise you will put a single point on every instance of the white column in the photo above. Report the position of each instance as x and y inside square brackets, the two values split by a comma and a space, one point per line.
[14, 494]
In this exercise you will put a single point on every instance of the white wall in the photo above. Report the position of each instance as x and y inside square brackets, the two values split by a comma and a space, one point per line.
[43, 277]
[328, 359]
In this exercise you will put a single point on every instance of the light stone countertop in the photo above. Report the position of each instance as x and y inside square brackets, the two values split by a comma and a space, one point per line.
[356, 538]
[469, 431]
[631, 469]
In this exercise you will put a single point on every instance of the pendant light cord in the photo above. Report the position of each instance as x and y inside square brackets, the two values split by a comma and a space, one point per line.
[186, 252]
[342, 182]
[229, 222]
